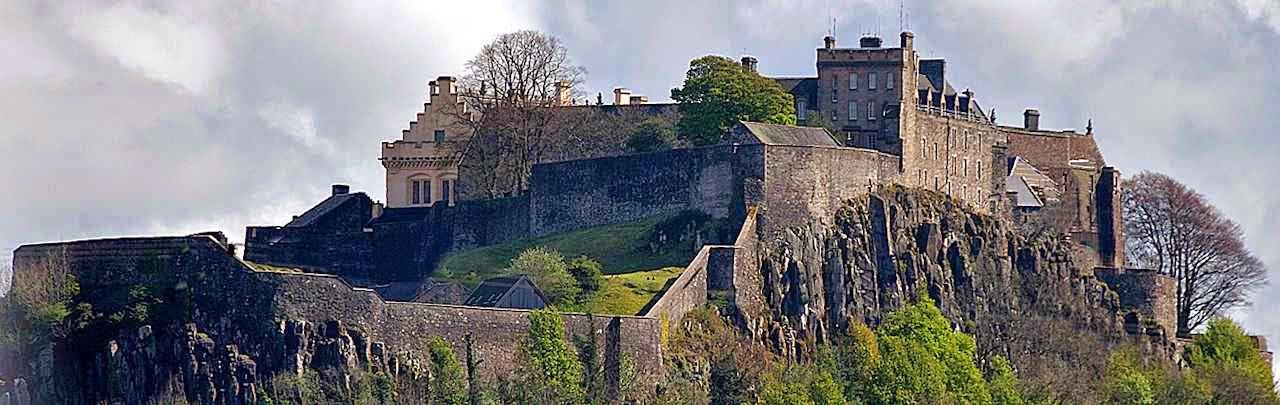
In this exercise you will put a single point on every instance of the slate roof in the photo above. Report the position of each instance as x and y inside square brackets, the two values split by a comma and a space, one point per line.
[1045, 187]
[491, 292]
[805, 88]
[324, 207]
[774, 134]
[428, 291]
[1023, 196]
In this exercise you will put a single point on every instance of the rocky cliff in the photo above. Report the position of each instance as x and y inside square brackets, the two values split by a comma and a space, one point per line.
[1013, 292]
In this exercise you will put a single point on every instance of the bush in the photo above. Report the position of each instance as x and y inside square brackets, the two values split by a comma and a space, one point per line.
[547, 370]
[587, 272]
[549, 271]
[651, 136]
[42, 292]
[448, 379]
[801, 384]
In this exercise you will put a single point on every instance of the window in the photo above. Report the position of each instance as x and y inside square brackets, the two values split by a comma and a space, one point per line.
[446, 190]
[853, 81]
[888, 82]
[802, 109]
[835, 86]
[853, 111]
[966, 166]
[871, 81]
[979, 174]
[871, 114]
[924, 147]
[439, 136]
[414, 188]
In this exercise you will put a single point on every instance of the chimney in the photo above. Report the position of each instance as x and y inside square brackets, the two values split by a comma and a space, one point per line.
[564, 93]
[340, 189]
[445, 84]
[829, 42]
[749, 62]
[434, 90]
[908, 39]
[621, 96]
[1031, 119]
[870, 41]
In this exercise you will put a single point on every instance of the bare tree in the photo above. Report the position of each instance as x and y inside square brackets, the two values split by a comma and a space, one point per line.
[512, 88]
[1171, 228]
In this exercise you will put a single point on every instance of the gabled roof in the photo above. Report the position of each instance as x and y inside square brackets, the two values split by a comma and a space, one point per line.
[1023, 196]
[803, 88]
[1045, 186]
[324, 207]
[774, 134]
[491, 292]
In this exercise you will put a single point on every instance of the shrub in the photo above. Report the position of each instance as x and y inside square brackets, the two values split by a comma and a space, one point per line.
[43, 290]
[651, 136]
[547, 369]
[448, 379]
[549, 271]
[586, 271]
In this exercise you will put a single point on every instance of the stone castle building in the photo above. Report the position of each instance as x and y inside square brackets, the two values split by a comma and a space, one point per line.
[422, 166]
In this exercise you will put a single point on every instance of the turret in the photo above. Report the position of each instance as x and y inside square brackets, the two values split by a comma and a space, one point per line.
[829, 42]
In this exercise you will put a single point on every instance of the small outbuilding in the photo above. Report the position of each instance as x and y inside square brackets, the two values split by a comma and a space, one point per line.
[517, 291]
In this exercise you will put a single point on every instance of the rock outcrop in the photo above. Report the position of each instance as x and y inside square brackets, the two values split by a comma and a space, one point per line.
[884, 250]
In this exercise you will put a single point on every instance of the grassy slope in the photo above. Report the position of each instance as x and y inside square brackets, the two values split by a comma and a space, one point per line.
[627, 294]
[620, 248]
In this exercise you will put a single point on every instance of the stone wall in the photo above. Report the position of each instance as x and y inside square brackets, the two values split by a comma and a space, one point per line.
[240, 324]
[1146, 292]
[953, 156]
[810, 183]
[584, 193]
[334, 243]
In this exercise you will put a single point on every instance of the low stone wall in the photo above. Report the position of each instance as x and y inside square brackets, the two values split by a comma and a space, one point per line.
[1146, 292]
[687, 293]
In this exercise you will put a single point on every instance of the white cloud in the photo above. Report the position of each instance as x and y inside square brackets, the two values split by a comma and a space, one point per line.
[164, 45]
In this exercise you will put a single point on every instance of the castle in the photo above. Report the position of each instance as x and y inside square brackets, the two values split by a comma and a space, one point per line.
[824, 233]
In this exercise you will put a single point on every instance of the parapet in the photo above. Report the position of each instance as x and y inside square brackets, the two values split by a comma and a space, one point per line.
[1147, 293]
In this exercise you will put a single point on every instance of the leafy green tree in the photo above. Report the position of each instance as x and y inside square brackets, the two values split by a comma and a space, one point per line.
[448, 379]
[1127, 381]
[586, 271]
[719, 92]
[1003, 384]
[1227, 360]
[549, 271]
[42, 294]
[923, 358]
[801, 384]
[548, 369]
[651, 136]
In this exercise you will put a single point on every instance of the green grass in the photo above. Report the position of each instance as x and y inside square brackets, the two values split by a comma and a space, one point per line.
[620, 248]
[627, 294]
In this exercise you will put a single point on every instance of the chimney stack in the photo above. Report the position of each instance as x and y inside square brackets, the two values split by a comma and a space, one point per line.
[829, 42]
[564, 93]
[870, 41]
[1031, 119]
[908, 39]
[638, 100]
[621, 96]
[750, 62]
[340, 189]
[446, 84]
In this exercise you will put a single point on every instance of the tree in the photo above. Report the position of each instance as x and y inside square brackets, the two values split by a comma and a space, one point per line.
[512, 88]
[549, 271]
[718, 92]
[1229, 361]
[651, 136]
[586, 271]
[1174, 230]
[548, 369]
[448, 381]
[43, 291]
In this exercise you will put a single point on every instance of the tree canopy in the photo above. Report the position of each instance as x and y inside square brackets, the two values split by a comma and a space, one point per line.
[1173, 229]
[719, 92]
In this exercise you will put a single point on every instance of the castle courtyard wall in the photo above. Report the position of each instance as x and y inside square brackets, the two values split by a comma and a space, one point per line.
[809, 183]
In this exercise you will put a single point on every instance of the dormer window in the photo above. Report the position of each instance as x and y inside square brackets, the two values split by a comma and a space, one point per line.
[439, 136]
[871, 81]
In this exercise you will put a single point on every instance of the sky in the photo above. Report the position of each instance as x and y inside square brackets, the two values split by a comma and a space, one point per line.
[169, 118]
